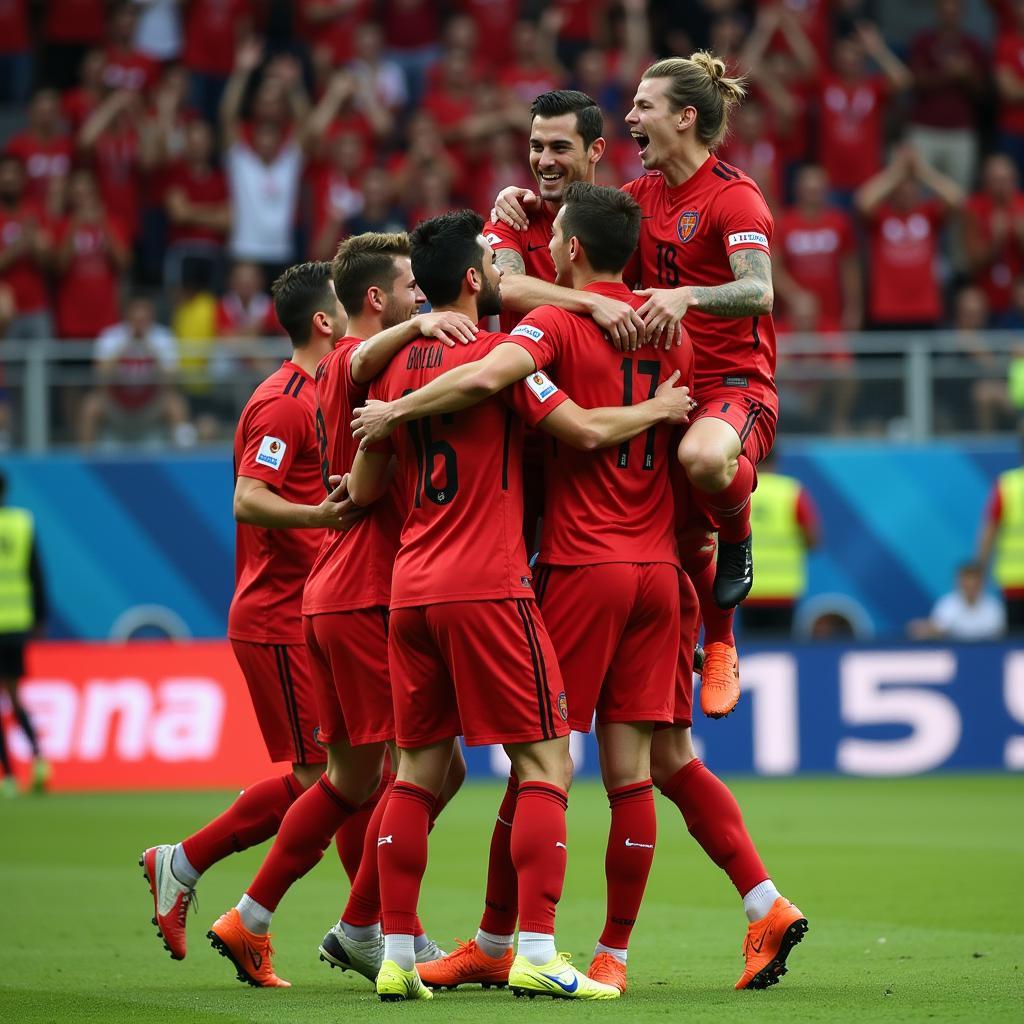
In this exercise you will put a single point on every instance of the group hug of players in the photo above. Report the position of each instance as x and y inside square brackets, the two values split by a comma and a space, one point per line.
[384, 605]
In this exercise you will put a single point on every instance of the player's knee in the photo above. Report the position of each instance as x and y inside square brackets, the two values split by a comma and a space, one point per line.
[706, 465]
[671, 750]
[355, 786]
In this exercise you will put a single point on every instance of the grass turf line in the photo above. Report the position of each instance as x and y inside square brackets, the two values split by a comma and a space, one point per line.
[911, 888]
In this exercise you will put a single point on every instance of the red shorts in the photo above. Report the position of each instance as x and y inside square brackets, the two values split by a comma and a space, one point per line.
[615, 628]
[348, 653]
[689, 627]
[754, 421]
[484, 670]
[281, 687]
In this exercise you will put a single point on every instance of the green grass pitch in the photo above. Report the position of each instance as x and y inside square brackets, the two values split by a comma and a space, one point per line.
[912, 889]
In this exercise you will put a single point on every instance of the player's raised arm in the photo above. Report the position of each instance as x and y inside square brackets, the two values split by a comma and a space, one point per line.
[369, 477]
[457, 389]
[592, 429]
[449, 327]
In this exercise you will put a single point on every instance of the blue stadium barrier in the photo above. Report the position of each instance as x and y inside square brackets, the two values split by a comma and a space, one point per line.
[144, 546]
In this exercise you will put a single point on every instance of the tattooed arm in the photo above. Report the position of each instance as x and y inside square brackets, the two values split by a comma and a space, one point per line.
[751, 294]
[522, 293]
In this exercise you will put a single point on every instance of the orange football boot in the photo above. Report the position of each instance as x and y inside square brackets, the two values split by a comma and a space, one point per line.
[768, 943]
[719, 680]
[467, 965]
[609, 971]
[249, 952]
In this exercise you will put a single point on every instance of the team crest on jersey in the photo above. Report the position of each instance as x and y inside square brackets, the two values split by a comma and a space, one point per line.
[686, 228]
[563, 706]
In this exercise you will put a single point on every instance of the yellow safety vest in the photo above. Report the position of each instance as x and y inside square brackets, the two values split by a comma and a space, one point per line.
[780, 556]
[1008, 566]
[17, 614]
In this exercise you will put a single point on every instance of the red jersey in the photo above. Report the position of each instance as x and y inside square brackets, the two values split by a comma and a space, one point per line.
[687, 235]
[904, 286]
[462, 539]
[850, 135]
[208, 188]
[232, 318]
[1010, 54]
[43, 160]
[25, 277]
[276, 442]
[211, 34]
[813, 250]
[998, 277]
[761, 159]
[75, 21]
[531, 244]
[14, 37]
[87, 299]
[613, 505]
[336, 33]
[494, 20]
[129, 69]
[352, 569]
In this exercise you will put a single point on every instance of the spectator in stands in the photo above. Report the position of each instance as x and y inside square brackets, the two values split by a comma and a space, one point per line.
[993, 233]
[336, 193]
[379, 82]
[158, 34]
[70, 28]
[951, 76]
[109, 141]
[785, 525]
[966, 613]
[127, 67]
[412, 32]
[24, 256]
[329, 26]
[904, 224]
[379, 212]
[263, 160]
[90, 253]
[987, 389]
[852, 107]
[245, 313]
[751, 146]
[429, 197]
[214, 30]
[1009, 72]
[424, 150]
[534, 67]
[136, 364]
[44, 147]
[15, 52]
[197, 208]
[78, 103]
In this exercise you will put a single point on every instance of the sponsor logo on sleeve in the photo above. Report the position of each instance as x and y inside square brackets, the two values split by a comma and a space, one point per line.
[748, 238]
[686, 227]
[491, 238]
[271, 452]
[526, 331]
[541, 385]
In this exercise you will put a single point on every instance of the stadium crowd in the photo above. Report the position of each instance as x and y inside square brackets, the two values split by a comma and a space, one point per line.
[189, 151]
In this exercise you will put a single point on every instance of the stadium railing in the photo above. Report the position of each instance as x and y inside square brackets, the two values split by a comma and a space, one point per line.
[900, 385]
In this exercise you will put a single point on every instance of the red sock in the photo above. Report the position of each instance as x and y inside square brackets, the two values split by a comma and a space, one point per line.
[539, 854]
[254, 816]
[716, 822]
[402, 856]
[363, 907]
[501, 906]
[730, 508]
[304, 834]
[628, 859]
[717, 622]
[351, 837]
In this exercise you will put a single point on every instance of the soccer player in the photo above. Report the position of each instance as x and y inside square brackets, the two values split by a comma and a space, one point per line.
[566, 145]
[347, 651]
[281, 511]
[468, 651]
[609, 535]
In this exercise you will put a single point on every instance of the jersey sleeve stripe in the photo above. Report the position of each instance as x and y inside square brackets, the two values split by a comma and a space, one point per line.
[299, 387]
[730, 171]
[294, 377]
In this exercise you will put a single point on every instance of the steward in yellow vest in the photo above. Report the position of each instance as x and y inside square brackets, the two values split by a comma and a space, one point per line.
[1002, 542]
[22, 613]
[784, 526]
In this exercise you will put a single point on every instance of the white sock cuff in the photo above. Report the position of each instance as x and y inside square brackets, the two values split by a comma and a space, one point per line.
[758, 902]
[182, 869]
[619, 954]
[254, 915]
[401, 950]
